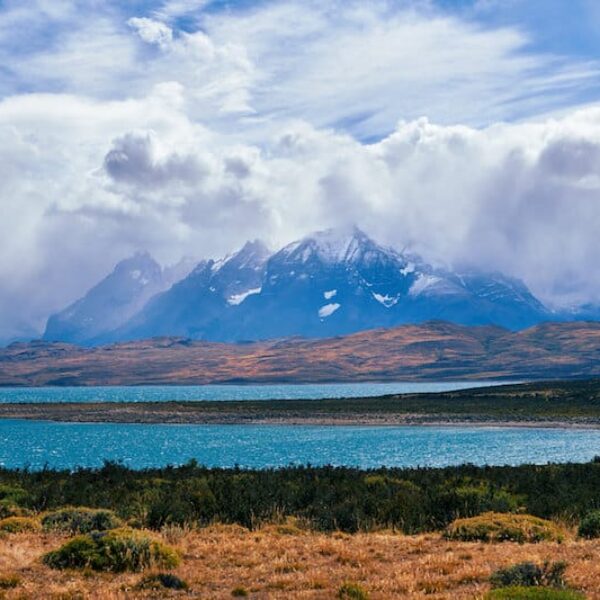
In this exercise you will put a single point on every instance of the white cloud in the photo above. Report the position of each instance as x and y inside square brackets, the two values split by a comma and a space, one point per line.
[146, 137]
[151, 31]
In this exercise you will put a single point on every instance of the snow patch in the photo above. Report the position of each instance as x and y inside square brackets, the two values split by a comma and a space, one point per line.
[329, 294]
[422, 283]
[237, 299]
[387, 301]
[328, 310]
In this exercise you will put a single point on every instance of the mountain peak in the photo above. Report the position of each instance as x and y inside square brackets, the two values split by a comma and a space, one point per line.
[141, 260]
[252, 255]
[331, 246]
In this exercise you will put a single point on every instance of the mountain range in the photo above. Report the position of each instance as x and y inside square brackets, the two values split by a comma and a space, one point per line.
[329, 283]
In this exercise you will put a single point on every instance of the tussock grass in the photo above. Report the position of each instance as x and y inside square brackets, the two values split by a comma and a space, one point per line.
[117, 550]
[80, 520]
[502, 527]
[19, 525]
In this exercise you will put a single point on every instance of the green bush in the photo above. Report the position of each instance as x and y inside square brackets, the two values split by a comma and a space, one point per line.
[19, 525]
[81, 520]
[239, 592]
[189, 503]
[469, 498]
[590, 525]
[500, 527]
[12, 498]
[533, 593]
[325, 498]
[13, 494]
[352, 591]
[530, 574]
[158, 581]
[117, 550]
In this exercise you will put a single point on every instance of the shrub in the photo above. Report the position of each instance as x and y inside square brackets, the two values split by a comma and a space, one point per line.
[9, 581]
[13, 494]
[159, 581]
[590, 525]
[117, 550]
[191, 502]
[530, 574]
[9, 509]
[239, 592]
[81, 520]
[499, 527]
[469, 498]
[352, 591]
[19, 525]
[533, 593]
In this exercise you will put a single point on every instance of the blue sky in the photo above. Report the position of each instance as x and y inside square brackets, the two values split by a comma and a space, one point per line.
[561, 35]
[468, 130]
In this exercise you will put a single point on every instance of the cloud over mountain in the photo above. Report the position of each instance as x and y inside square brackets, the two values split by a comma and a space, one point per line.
[186, 131]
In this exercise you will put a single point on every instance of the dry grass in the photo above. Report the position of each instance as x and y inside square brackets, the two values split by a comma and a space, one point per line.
[272, 564]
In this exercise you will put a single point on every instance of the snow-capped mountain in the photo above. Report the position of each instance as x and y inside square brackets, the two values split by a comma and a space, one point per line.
[328, 283]
[110, 303]
[196, 305]
[114, 300]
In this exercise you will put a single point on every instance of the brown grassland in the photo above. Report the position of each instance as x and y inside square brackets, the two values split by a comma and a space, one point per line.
[286, 562]
[430, 351]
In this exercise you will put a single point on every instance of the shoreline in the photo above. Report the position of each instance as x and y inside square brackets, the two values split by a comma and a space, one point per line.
[564, 405]
[312, 420]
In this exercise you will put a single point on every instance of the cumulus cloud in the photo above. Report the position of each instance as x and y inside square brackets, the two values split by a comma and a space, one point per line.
[281, 119]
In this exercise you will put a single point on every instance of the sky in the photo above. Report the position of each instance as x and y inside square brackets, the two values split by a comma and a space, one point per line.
[466, 130]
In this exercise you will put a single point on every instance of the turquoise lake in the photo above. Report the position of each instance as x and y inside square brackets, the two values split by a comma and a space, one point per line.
[36, 444]
[68, 445]
[165, 393]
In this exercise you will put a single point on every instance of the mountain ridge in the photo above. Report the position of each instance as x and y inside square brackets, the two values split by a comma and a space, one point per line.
[332, 282]
[436, 350]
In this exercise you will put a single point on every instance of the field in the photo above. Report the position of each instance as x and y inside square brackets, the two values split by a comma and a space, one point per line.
[565, 403]
[281, 562]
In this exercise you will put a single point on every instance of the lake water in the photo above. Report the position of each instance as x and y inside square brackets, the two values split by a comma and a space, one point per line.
[69, 445]
[165, 393]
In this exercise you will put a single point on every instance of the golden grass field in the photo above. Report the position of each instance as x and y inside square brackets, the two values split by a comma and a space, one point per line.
[284, 562]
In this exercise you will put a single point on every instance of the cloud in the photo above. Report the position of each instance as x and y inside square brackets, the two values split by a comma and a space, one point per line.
[123, 132]
[133, 159]
[151, 31]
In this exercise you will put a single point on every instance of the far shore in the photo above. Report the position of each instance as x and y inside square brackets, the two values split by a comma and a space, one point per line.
[166, 413]
[558, 404]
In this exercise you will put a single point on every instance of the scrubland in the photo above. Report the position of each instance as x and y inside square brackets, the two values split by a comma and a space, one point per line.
[284, 561]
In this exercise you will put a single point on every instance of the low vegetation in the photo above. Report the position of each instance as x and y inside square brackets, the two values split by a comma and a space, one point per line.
[116, 551]
[162, 581]
[322, 498]
[19, 525]
[590, 525]
[8, 582]
[80, 520]
[352, 591]
[549, 574]
[297, 531]
[499, 527]
[261, 563]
